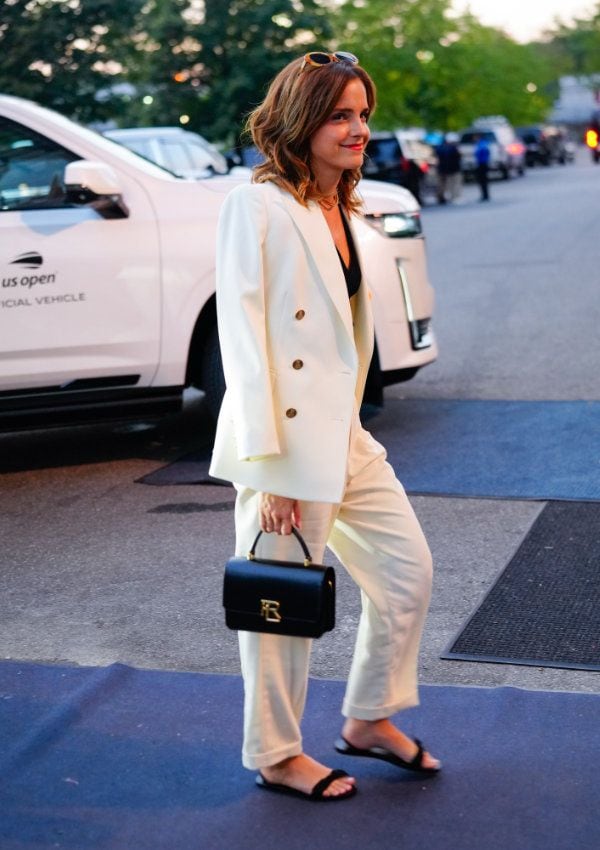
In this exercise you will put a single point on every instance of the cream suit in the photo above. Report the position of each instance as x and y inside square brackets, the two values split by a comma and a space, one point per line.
[295, 358]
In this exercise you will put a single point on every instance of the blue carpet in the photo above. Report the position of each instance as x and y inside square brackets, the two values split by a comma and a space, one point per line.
[497, 449]
[123, 759]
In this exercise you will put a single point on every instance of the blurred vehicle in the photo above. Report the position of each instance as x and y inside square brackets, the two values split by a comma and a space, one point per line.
[244, 156]
[107, 302]
[543, 145]
[507, 152]
[592, 136]
[182, 152]
[415, 147]
[385, 159]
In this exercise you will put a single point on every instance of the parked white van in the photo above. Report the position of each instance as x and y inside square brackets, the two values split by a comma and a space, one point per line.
[107, 295]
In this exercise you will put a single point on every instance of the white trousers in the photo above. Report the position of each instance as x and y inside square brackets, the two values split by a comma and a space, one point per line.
[377, 537]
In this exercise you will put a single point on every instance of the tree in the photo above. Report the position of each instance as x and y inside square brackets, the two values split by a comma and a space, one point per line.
[61, 52]
[153, 61]
[438, 69]
[230, 52]
[575, 48]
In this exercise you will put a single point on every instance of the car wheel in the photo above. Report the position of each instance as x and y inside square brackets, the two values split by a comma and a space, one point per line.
[504, 172]
[212, 379]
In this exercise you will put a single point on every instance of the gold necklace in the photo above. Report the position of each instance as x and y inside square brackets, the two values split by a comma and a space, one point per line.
[328, 203]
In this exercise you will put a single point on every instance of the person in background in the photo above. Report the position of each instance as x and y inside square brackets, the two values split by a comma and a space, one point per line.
[482, 165]
[449, 172]
[296, 334]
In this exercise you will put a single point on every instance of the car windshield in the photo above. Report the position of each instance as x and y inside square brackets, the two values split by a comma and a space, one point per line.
[471, 137]
[139, 148]
[383, 150]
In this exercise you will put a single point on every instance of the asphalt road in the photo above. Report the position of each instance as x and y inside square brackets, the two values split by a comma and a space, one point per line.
[97, 568]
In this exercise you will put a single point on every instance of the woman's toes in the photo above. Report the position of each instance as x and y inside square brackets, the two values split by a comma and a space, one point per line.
[339, 786]
[431, 763]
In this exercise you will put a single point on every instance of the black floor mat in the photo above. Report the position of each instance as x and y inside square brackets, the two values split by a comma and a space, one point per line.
[544, 609]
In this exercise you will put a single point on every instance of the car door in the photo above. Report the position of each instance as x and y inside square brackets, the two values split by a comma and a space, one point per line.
[80, 293]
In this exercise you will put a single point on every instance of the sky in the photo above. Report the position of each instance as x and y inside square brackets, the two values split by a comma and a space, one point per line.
[524, 20]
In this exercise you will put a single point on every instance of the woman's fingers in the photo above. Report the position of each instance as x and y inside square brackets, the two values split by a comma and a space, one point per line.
[277, 513]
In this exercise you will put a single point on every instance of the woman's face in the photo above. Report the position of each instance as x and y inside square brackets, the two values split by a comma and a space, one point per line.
[339, 144]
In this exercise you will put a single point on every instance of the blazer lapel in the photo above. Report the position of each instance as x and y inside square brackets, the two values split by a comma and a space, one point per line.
[313, 228]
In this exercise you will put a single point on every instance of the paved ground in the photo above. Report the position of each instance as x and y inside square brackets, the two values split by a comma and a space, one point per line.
[96, 568]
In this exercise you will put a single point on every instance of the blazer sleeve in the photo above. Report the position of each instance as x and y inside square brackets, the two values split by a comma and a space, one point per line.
[240, 284]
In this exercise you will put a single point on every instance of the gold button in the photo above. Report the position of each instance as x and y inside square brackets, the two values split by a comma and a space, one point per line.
[297, 364]
[290, 412]
[300, 314]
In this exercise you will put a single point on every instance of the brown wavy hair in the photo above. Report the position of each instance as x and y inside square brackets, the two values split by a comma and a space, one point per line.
[297, 104]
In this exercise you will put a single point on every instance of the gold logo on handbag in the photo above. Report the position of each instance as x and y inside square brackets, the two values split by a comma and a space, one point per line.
[269, 609]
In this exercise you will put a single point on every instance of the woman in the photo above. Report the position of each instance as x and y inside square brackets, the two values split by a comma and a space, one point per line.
[296, 336]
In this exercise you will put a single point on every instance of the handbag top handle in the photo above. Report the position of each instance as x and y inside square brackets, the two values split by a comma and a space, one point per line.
[299, 538]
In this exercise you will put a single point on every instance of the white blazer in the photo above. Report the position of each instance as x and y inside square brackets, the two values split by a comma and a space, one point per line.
[294, 363]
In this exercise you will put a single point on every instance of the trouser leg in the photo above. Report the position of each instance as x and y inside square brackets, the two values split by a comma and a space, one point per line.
[377, 537]
[275, 667]
[482, 179]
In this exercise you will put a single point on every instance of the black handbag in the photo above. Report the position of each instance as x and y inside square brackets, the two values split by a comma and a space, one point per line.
[279, 597]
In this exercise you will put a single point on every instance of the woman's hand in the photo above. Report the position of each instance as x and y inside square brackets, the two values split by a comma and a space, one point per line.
[278, 513]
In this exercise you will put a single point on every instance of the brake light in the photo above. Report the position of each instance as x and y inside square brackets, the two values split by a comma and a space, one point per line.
[424, 167]
[591, 138]
[515, 147]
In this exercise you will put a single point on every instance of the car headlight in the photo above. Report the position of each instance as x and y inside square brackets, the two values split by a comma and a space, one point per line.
[396, 225]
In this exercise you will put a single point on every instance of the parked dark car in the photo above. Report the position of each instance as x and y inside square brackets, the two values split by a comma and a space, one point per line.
[385, 160]
[543, 145]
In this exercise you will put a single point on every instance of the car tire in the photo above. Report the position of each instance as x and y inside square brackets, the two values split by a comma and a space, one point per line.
[212, 379]
[504, 172]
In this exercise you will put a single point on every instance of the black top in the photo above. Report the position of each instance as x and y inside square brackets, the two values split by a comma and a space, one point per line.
[352, 273]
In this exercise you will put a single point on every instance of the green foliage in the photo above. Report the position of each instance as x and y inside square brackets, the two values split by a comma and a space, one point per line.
[211, 60]
[61, 52]
[575, 48]
[439, 70]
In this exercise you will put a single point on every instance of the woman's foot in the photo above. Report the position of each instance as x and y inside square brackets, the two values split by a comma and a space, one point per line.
[382, 733]
[302, 773]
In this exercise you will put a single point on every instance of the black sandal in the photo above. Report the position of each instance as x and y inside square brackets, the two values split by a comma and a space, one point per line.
[317, 793]
[345, 748]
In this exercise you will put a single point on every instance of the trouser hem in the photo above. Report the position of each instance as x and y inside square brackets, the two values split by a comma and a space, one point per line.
[362, 712]
[255, 762]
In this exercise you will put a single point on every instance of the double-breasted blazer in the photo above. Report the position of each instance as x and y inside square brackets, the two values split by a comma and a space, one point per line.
[295, 357]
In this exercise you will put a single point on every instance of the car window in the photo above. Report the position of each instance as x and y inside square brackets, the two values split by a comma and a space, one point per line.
[32, 169]
[471, 138]
[384, 150]
[175, 155]
[200, 158]
[140, 146]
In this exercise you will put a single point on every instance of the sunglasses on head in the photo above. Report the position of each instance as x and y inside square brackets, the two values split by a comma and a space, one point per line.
[318, 59]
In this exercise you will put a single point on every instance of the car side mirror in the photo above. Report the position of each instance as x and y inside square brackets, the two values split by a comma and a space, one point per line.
[95, 184]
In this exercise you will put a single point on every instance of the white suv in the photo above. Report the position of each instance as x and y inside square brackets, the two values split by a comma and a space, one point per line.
[507, 152]
[185, 154]
[107, 301]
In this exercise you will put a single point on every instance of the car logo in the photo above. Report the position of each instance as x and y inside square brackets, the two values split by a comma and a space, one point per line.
[28, 260]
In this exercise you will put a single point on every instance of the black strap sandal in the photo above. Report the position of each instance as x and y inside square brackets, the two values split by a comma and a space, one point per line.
[317, 793]
[416, 764]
